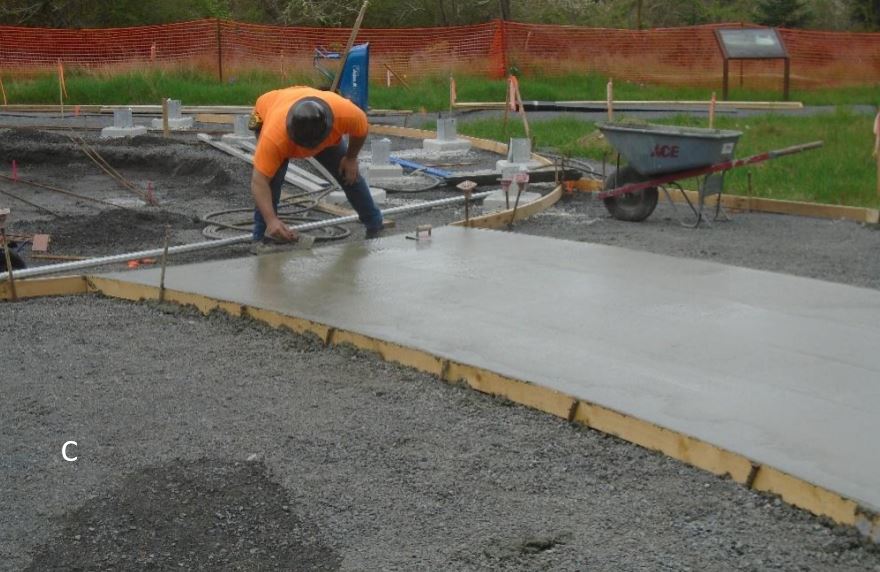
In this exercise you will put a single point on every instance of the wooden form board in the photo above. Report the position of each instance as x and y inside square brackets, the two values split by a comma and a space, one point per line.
[679, 446]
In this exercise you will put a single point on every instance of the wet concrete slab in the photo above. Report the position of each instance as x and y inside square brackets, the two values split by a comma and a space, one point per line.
[778, 368]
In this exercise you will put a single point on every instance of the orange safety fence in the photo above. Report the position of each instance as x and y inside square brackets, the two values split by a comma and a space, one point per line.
[681, 56]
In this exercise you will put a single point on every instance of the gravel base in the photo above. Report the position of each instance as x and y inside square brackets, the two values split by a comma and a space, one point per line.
[834, 250]
[378, 466]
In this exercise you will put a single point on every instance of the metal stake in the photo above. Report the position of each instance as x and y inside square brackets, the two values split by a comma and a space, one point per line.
[13, 294]
[522, 180]
[165, 132]
[164, 264]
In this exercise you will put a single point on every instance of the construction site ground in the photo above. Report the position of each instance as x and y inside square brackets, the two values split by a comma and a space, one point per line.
[218, 443]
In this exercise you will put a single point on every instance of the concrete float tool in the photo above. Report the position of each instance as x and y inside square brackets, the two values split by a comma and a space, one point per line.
[212, 244]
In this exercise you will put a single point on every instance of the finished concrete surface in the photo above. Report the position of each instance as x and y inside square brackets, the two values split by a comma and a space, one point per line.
[774, 367]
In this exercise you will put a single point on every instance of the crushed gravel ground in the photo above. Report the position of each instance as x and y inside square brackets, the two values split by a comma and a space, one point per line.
[215, 443]
[195, 433]
[834, 250]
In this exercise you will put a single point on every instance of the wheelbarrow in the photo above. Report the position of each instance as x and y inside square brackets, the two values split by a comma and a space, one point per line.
[658, 156]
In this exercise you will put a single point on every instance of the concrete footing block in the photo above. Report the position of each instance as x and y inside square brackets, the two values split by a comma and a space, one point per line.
[502, 164]
[116, 132]
[442, 146]
[174, 124]
[338, 197]
[123, 126]
[447, 138]
[388, 171]
[497, 202]
[240, 133]
[176, 121]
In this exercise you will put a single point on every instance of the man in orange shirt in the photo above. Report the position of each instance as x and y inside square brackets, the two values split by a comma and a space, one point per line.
[300, 122]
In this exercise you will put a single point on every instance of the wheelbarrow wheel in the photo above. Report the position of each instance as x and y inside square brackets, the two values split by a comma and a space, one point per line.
[632, 207]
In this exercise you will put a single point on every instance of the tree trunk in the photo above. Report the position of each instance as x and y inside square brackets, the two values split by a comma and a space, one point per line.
[504, 6]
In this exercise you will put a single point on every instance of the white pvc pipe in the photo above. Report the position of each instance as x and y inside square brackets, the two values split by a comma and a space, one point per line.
[198, 246]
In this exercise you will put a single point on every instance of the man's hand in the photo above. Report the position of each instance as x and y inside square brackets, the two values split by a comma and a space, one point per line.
[348, 168]
[277, 230]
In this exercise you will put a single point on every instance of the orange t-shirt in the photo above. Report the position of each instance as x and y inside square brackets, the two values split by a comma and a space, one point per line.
[274, 146]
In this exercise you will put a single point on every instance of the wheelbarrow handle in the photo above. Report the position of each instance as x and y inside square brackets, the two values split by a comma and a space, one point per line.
[717, 167]
[796, 149]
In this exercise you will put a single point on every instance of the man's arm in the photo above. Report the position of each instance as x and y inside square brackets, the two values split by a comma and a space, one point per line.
[275, 228]
[348, 166]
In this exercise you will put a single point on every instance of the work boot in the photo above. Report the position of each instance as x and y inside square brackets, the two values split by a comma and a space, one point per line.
[373, 233]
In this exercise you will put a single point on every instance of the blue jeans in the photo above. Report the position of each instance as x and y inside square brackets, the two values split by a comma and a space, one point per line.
[358, 194]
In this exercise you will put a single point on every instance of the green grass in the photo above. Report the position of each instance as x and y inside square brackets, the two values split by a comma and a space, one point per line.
[842, 172]
[431, 93]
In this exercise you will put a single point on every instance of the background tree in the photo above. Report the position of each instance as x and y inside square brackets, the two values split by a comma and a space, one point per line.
[782, 13]
[835, 14]
[866, 14]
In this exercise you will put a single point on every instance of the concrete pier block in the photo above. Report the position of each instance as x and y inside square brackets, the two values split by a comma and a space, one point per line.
[384, 171]
[240, 133]
[338, 197]
[519, 152]
[123, 126]
[380, 166]
[447, 129]
[447, 138]
[176, 121]
[381, 151]
[499, 201]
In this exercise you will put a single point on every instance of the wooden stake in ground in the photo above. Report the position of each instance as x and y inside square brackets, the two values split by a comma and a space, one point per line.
[165, 130]
[507, 104]
[452, 95]
[519, 103]
[877, 149]
[351, 38]
[396, 75]
[712, 103]
[3, 91]
[62, 87]
[164, 264]
[12, 293]
[609, 98]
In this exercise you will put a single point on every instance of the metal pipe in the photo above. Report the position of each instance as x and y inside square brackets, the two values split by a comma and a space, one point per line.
[198, 246]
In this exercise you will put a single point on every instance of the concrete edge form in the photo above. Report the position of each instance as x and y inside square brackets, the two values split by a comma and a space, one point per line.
[501, 219]
[692, 451]
[45, 287]
[745, 204]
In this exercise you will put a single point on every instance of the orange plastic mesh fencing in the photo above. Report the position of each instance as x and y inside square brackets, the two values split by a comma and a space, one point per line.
[410, 52]
[39, 48]
[681, 56]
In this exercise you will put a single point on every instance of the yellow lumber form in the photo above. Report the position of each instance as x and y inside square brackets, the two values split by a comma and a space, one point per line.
[42, 287]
